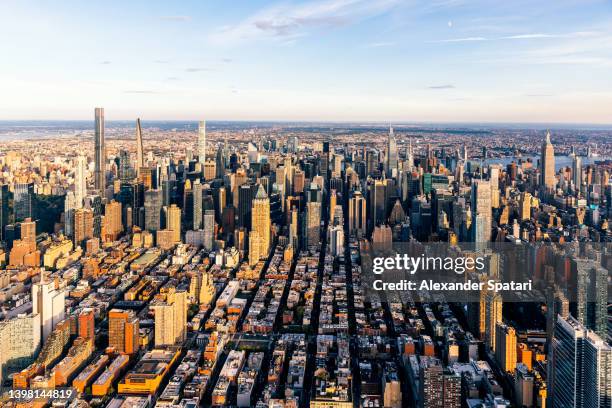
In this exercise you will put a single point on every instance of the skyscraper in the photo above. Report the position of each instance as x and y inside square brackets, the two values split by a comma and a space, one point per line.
[153, 206]
[209, 229]
[80, 181]
[357, 215]
[139, 148]
[577, 172]
[123, 328]
[547, 165]
[170, 317]
[99, 152]
[83, 225]
[505, 347]
[482, 211]
[86, 323]
[112, 221]
[49, 302]
[391, 154]
[174, 222]
[260, 220]
[4, 209]
[202, 142]
[22, 201]
[197, 204]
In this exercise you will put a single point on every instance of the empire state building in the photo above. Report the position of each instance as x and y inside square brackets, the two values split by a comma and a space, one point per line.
[547, 165]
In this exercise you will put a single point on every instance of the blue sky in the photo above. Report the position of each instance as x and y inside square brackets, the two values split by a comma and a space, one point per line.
[349, 60]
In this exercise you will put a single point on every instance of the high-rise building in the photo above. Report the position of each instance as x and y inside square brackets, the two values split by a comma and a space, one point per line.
[245, 203]
[48, 301]
[324, 166]
[391, 154]
[493, 305]
[80, 181]
[123, 331]
[547, 164]
[260, 220]
[197, 204]
[437, 388]
[139, 148]
[20, 341]
[170, 317]
[505, 347]
[113, 226]
[202, 142]
[482, 214]
[525, 206]
[4, 209]
[86, 324]
[312, 224]
[580, 366]
[99, 152]
[153, 208]
[22, 200]
[83, 225]
[209, 229]
[577, 172]
[174, 222]
[357, 215]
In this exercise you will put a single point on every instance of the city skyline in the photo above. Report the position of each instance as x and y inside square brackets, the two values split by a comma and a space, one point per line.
[447, 61]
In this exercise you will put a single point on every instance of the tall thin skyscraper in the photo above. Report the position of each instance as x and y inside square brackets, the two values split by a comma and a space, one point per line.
[577, 172]
[547, 164]
[80, 181]
[482, 211]
[202, 142]
[580, 366]
[99, 152]
[139, 149]
[260, 224]
[197, 204]
[391, 153]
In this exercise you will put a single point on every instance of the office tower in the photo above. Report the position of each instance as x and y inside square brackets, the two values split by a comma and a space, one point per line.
[335, 240]
[202, 142]
[209, 229]
[597, 366]
[123, 331]
[113, 226]
[312, 224]
[139, 148]
[174, 222]
[332, 204]
[378, 207]
[80, 181]
[580, 366]
[493, 305]
[4, 209]
[577, 173]
[99, 152]
[409, 156]
[245, 201]
[86, 324]
[481, 211]
[153, 208]
[219, 164]
[260, 219]
[94, 202]
[209, 170]
[22, 201]
[591, 295]
[494, 172]
[525, 206]
[49, 302]
[20, 341]
[83, 225]
[505, 347]
[324, 166]
[547, 165]
[391, 154]
[298, 182]
[170, 317]
[438, 388]
[197, 204]
[524, 386]
[357, 215]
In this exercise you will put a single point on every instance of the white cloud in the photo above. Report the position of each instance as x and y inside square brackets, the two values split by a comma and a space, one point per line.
[290, 21]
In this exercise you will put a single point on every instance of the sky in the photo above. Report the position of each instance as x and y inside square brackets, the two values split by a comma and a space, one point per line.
[323, 60]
